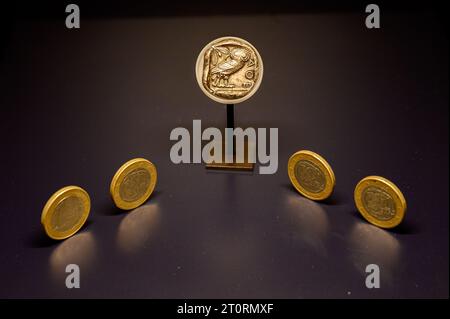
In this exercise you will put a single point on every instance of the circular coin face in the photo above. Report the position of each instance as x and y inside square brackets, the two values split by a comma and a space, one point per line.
[65, 212]
[311, 175]
[133, 183]
[380, 202]
[229, 70]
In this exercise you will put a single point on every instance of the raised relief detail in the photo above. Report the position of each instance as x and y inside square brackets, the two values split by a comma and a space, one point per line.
[229, 70]
[135, 185]
[378, 203]
[310, 176]
[67, 214]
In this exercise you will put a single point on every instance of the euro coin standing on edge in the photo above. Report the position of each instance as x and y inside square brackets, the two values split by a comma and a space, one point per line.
[380, 202]
[133, 183]
[311, 175]
[229, 70]
[65, 212]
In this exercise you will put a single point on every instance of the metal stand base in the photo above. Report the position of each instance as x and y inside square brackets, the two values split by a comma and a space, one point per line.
[242, 164]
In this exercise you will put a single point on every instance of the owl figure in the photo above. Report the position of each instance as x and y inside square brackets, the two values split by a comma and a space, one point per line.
[234, 61]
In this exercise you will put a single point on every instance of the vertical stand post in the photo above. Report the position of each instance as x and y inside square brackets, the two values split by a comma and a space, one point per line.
[230, 148]
[230, 116]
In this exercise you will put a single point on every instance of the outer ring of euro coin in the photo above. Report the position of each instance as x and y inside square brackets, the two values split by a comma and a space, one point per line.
[133, 183]
[311, 175]
[380, 201]
[65, 212]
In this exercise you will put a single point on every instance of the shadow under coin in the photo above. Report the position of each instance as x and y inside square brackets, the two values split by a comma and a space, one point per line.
[407, 227]
[39, 239]
[335, 199]
[79, 249]
[137, 227]
[109, 209]
[312, 222]
[369, 244]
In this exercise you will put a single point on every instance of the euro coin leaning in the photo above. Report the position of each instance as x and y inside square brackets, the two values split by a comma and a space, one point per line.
[311, 175]
[229, 70]
[380, 202]
[133, 183]
[65, 212]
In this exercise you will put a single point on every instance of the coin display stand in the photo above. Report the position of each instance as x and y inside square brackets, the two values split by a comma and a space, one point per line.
[229, 70]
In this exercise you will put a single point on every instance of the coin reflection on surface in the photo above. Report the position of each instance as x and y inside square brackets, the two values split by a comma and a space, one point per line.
[137, 227]
[79, 249]
[372, 245]
[312, 222]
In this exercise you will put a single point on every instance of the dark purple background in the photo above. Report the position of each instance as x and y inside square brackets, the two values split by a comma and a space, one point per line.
[76, 104]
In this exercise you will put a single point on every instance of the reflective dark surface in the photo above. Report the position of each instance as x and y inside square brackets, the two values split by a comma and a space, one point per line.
[77, 104]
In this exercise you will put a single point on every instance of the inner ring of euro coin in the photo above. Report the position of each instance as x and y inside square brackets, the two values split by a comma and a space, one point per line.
[378, 203]
[310, 176]
[67, 213]
[135, 185]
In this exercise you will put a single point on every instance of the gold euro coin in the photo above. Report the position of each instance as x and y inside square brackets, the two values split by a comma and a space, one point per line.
[133, 183]
[380, 202]
[65, 212]
[311, 175]
[229, 70]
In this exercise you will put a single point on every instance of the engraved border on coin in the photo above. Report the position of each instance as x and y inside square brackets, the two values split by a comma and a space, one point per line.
[199, 71]
[321, 163]
[394, 192]
[122, 172]
[53, 202]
